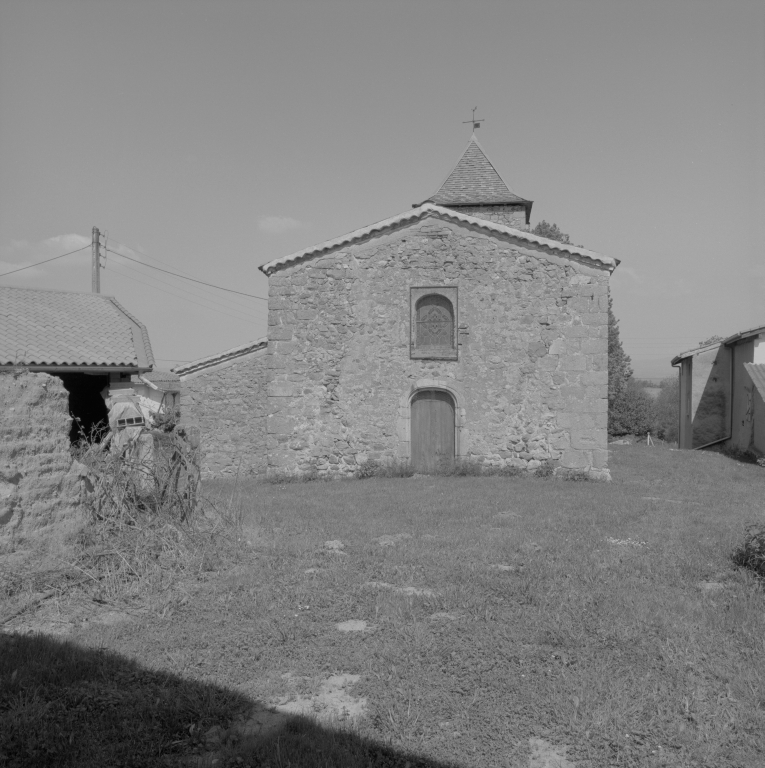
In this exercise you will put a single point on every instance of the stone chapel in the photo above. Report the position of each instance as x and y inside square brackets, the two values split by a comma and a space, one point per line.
[448, 332]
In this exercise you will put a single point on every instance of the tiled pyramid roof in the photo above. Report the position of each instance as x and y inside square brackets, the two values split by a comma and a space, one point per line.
[40, 328]
[474, 181]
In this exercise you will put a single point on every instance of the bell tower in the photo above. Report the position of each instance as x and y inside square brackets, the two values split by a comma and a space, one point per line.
[475, 187]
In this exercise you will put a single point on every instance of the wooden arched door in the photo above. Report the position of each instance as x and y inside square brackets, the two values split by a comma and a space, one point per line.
[432, 429]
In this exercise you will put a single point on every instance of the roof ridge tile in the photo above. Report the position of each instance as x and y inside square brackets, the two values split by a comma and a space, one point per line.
[429, 209]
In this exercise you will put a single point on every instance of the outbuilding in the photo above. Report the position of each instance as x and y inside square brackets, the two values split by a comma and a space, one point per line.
[722, 387]
[87, 340]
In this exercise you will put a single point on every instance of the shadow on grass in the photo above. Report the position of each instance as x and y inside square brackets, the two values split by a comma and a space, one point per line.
[65, 705]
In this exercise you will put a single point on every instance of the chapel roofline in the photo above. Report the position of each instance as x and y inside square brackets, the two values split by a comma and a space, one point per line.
[430, 210]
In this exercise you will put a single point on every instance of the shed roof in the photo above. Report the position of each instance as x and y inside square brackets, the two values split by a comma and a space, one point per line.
[61, 329]
[221, 357]
[741, 335]
[429, 210]
[747, 334]
[695, 351]
[475, 181]
[756, 373]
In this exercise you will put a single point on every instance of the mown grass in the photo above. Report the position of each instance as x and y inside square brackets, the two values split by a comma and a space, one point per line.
[602, 631]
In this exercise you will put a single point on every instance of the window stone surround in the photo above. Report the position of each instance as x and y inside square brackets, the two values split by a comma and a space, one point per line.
[448, 292]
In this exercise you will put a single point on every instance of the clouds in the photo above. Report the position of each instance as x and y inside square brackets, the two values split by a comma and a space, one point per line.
[22, 253]
[278, 225]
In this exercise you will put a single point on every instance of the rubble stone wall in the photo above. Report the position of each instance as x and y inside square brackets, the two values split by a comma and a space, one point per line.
[227, 402]
[509, 215]
[40, 483]
[530, 382]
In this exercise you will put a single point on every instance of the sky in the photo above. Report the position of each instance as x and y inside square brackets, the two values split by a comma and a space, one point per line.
[208, 137]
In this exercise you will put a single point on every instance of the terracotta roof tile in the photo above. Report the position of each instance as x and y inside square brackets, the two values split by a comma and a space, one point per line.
[58, 328]
[428, 210]
[221, 357]
[474, 181]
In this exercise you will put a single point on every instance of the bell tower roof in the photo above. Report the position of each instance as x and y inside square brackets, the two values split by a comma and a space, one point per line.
[475, 181]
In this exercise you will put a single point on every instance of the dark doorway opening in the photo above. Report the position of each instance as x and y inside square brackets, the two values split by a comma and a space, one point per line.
[90, 416]
[432, 430]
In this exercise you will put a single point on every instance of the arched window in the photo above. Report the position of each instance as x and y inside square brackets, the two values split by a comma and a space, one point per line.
[435, 323]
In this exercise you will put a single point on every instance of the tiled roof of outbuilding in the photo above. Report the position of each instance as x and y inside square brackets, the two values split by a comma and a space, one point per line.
[756, 373]
[64, 329]
[474, 181]
[220, 357]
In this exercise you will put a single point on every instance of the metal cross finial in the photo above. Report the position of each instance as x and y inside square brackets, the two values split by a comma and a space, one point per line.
[476, 123]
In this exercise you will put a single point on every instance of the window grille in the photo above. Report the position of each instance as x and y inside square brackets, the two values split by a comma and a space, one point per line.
[435, 322]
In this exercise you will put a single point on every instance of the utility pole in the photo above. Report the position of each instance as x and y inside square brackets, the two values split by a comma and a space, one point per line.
[95, 286]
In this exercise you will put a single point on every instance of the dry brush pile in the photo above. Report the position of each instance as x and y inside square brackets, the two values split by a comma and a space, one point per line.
[148, 521]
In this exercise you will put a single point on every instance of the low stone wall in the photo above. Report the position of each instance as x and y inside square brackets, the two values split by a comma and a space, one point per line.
[40, 483]
[226, 399]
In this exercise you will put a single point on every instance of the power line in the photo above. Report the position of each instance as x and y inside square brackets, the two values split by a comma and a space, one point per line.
[193, 280]
[201, 292]
[184, 298]
[198, 299]
[37, 264]
[182, 272]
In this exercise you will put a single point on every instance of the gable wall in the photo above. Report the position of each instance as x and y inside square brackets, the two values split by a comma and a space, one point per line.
[227, 402]
[531, 379]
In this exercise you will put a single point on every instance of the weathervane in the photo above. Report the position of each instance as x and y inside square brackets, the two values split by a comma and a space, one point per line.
[476, 123]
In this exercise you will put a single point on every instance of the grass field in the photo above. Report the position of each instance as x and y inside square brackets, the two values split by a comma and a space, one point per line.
[495, 619]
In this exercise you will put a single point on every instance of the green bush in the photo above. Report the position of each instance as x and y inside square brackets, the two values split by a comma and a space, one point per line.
[631, 412]
[751, 554]
[666, 409]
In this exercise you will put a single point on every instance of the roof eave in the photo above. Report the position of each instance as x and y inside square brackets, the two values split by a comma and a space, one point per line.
[695, 351]
[429, 209]
[56, 368]
[742, 335]
[226, 356]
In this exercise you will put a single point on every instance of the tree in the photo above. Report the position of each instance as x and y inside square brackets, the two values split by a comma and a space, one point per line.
[666, 410]
[632, 412]
[551, 232]
[619, 363]
[619, 374]
[712, 340]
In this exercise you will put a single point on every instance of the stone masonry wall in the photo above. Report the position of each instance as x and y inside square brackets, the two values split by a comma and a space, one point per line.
[228, 403]
[508, 215]
[40, 483]
[530, 383]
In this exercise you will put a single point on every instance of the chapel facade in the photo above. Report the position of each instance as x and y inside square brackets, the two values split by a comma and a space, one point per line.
[448, 332]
